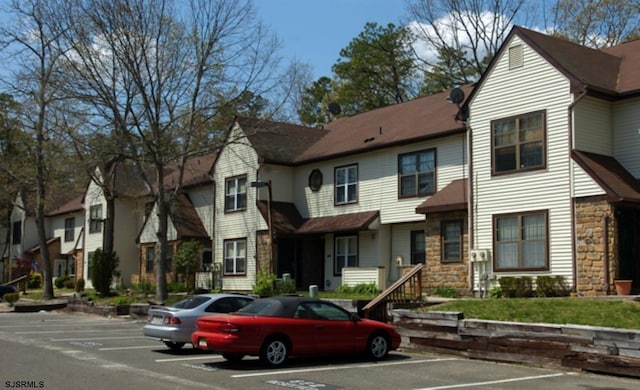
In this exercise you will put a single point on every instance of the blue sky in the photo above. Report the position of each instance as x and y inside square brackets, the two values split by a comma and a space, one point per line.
[314, 31]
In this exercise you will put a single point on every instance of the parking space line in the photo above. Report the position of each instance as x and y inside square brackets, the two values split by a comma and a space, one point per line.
[99, 338]
[61, 331]
[211, 357]
[133, 347]
[351, 366]
[473, 384]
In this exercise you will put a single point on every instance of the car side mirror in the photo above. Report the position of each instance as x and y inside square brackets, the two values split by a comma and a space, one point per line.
[355, 317]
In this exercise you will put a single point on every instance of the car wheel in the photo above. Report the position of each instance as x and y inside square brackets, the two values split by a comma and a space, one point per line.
[232, 357]
[274, 352]
[174, 346]
[378, 346]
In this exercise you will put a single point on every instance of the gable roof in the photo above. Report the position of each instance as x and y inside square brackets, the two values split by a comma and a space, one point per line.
[419, 119]
[74, 205]
[423, 118]
[185, 219]
[276, 142]
[197, 170]
[613, 71]
[615, 180]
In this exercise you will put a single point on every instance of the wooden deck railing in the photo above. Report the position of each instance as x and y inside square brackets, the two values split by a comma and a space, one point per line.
[407, 289]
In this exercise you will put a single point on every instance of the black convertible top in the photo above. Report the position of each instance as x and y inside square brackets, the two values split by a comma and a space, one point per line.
[280, 306]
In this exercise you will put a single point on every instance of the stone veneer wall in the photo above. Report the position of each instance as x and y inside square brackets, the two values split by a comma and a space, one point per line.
[591, 216]
[263, 247]
[436, 273]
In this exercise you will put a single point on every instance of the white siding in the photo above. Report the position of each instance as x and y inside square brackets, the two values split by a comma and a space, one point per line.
[626, 125]
[583, 184]
[592, 126]
[128, 222]
[237, 158]
[58, 230]
[202, 199]
[505, 93]
[378, 181]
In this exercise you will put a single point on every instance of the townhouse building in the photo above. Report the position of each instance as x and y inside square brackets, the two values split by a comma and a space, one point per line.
[320, 203]
[535, 173]
[190, 219]
[554, 135]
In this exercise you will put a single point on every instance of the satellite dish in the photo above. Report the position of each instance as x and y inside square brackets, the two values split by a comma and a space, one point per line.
[456, 96]
[334, 108]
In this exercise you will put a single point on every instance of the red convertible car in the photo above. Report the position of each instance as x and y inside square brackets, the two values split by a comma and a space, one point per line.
[279, 327]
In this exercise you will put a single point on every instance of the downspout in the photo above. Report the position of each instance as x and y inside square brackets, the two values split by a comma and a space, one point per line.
[574, 260]
[605, 259]
[471, 244]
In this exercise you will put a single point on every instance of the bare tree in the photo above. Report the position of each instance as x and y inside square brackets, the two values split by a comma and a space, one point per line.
[164, 74]
[461, 36]
[33, 41]
[596, 23]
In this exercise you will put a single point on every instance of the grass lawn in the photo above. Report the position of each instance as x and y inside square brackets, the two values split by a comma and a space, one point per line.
[607, 312]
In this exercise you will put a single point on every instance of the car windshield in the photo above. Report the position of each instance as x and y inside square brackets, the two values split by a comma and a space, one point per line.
[190, 303]
[267, 308]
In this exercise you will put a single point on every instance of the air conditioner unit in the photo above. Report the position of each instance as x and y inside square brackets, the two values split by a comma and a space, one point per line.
[480, 255]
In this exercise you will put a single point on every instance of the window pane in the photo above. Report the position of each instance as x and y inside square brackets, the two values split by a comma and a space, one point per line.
[352, 193]
[504, 133]
[427, 161]
[507, 255]
[240, 266]
[353, 175]
[407, 164]
[508, 229]
[341, 177]
[531, 155]
[426, 183]
[340, 194]
[533, 227]
[505, 159]
[408, 186]
[533, 254]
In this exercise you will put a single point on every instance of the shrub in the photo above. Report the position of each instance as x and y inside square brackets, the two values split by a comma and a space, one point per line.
[285, 286]
[145, 287]
[176, 287]
[11, 298]
[70, 284]
[35, 281]
[359, 289]
[445, 291]
[187, 261]
[80, 285]
[551, 286]
[514, 287]
[61, 280]
[103, 271]
[265, 284]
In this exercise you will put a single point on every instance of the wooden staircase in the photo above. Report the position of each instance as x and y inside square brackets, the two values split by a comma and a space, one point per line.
[407, 289]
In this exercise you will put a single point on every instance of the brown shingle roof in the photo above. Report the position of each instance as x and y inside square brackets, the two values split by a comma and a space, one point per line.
[197, 170]
[186, 220]
[629, 78]
[582, 65]
[279, 142]
[74, 205]
[287, 219]
[451, 198]
[419, 119]
[618, 183]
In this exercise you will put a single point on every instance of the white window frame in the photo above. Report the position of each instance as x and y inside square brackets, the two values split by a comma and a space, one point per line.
[346, 184]
[235, 256]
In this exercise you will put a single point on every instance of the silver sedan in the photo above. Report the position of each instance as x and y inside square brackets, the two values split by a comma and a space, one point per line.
[174, 324]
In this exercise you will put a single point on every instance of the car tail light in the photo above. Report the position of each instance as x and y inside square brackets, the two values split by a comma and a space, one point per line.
[227, 327]
[170, 320]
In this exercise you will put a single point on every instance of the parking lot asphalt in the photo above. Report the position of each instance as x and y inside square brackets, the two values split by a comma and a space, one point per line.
[58, 349]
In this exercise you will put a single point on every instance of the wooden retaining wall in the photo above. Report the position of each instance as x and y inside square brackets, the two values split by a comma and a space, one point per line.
[595, 349]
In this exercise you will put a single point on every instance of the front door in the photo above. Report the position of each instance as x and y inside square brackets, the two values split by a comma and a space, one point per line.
[310, 263]
[628, 223]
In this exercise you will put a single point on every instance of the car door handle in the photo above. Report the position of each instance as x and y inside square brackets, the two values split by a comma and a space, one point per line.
[319, 326]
